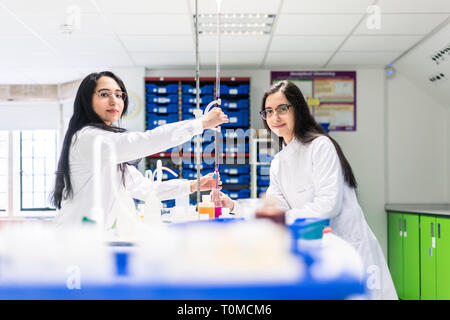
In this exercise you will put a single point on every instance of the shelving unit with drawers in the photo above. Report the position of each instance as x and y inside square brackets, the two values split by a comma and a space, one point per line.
[174, 99]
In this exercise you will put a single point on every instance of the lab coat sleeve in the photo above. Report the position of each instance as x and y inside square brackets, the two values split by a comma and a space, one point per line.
[139, 186]
[328, 184]
[131, 145]
[274, 191]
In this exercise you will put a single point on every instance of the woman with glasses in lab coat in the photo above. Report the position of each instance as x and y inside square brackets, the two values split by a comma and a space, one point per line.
[310, 177]
[102, 100]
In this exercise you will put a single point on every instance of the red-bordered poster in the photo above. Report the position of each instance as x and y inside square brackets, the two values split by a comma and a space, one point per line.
[331, 95]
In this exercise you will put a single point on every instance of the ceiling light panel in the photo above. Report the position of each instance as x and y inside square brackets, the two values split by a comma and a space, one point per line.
[236, 23]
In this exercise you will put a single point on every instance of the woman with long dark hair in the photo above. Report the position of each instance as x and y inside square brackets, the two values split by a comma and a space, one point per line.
[310, 177]
[102, 100]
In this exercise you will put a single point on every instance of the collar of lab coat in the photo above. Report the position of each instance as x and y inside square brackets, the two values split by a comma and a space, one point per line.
[290, 148]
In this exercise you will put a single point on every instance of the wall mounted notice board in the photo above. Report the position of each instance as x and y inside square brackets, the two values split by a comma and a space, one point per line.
[331, 95]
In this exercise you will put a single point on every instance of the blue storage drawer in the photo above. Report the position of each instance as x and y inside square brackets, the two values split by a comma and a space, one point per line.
[187, 116]
[263, 180]
[264, 157]
[152, 98]
[155, 120]
[238, 104]
[192, 174]
[237, 119]
[239, 148]
[263, 170]
[190, 165]
[168, 203]
[229, 170]
[235, 133]
[161, 89]
[164, 109]
[242, 179]
[207, 89]
[234, 90]
[189, 108]
[260, 191]
[238, 194]
[193, 99]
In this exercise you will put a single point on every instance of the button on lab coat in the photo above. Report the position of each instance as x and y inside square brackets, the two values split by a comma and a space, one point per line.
[308, 182]
[129, 146]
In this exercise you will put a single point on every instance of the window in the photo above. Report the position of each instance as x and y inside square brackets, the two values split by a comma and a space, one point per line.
[3, 170]
[38, 160]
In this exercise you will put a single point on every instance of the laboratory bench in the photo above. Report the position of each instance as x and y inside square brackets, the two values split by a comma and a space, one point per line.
[419, 250]
[334, 270]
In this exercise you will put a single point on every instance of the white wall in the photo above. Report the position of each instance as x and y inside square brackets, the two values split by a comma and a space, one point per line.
[418, 143]
[364, 148]
[29, 115]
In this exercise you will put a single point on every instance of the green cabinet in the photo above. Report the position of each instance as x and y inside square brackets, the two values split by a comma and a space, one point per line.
[443, 259]
[428, 257]
[419, 255]
[403, 254]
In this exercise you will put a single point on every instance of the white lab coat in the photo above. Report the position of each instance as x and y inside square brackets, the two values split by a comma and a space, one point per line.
[129, 146]
[308, 182]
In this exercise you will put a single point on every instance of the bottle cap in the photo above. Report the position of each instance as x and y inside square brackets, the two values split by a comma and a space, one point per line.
[206, 198]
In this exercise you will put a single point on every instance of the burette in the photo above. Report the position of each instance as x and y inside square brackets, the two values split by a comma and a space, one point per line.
[217, 131]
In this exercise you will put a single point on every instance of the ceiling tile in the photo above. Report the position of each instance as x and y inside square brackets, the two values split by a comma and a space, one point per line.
[317, 24]
[9, 26]
[325, 6]
[146, 6]
[237, 6]
[278, 59]
[306, 43]
[164, 59]
[74, 43]
[48, 6]
[232, 58]
[234, 43]
[403, 24]
[50, 24]
[363, 58]
[21, 44]
[151, 24]
[379, 43]
[416, 6]
[164, 43]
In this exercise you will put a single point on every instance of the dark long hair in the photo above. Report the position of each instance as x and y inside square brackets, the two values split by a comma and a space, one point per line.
[306, 129]
[83, 115]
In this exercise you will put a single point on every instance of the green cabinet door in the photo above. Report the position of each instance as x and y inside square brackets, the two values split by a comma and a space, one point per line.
[428, 257]
[411, 257]
[395, 250]
[443, 259]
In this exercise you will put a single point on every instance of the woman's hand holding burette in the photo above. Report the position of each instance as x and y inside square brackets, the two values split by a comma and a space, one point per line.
[213, 118]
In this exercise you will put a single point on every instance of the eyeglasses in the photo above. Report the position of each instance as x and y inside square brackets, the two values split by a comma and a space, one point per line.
[280, 110]
[106, 94]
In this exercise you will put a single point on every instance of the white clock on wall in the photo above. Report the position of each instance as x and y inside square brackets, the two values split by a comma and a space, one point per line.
[134, 106]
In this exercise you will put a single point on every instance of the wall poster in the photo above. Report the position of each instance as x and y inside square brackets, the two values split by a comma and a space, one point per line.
[331, 95]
